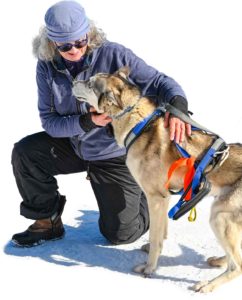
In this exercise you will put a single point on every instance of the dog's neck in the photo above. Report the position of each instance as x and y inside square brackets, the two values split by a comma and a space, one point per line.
[127, 121]
[126, 110]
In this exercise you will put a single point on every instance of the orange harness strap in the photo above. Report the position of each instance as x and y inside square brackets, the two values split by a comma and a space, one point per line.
[190, 171]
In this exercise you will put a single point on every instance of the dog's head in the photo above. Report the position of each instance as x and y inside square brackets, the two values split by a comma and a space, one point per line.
[110, 93]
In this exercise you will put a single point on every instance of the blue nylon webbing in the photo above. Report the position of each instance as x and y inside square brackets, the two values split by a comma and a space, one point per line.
[139, 127]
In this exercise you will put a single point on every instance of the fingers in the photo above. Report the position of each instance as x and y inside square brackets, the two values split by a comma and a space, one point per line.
[178, 129]
[108, 120]
[101, 119]
[188, 129]
[182, 133]
[172, 127]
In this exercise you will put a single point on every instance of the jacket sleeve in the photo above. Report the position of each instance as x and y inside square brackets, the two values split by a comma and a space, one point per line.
[152, 82]
[53, 123]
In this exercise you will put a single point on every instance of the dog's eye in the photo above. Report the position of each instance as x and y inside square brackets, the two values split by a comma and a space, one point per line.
[89, 85]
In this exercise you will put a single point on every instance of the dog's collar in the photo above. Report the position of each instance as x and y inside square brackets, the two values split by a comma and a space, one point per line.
[122, 113]
[125, 111]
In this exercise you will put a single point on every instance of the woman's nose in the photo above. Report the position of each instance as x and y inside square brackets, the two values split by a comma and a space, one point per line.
[73, 50]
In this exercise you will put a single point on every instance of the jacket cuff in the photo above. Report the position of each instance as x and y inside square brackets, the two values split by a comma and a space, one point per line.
[180, 103]
[86, 122]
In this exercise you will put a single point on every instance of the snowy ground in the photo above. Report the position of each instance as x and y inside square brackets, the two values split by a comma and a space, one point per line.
[196, 42]
[84, 264]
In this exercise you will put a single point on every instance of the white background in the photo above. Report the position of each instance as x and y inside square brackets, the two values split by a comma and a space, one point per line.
[198, 43]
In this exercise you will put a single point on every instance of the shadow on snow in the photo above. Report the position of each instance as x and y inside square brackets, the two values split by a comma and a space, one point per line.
[84, 245]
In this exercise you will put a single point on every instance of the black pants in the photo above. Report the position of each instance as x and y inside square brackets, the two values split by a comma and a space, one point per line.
[37, 158]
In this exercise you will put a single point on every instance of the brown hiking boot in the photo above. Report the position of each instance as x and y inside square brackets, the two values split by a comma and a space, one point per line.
[42, 230]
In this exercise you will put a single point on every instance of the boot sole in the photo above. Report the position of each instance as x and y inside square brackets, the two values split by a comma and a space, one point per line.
[40, 242]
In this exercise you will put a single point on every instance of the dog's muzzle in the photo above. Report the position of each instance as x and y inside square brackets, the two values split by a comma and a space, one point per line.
[81, 90]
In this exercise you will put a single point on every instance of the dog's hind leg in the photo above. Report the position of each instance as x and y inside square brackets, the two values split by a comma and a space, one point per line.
[226, 222]
[158, 206]
[233, 250]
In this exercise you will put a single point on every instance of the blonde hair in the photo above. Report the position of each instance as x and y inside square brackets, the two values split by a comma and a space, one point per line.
[45, 49]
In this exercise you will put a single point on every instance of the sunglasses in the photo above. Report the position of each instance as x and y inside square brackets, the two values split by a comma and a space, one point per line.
[68, 46]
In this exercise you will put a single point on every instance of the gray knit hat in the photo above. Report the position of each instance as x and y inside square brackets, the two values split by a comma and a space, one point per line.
[66, 21]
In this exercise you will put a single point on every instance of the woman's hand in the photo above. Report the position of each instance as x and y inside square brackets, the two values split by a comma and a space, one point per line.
[99, 119]
[177, 127]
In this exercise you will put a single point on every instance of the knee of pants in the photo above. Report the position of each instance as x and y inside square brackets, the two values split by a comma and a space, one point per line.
[124, 234]
[17, 153]
[25, 149]
[22, 153]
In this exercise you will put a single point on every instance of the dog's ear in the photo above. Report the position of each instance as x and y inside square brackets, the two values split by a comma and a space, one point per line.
[99, 85]
[114, 99]
[123, 72]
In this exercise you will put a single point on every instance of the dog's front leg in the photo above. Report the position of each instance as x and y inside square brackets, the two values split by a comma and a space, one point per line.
[158, 222]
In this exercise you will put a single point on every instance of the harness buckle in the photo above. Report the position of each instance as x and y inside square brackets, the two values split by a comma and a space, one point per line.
[222, 155]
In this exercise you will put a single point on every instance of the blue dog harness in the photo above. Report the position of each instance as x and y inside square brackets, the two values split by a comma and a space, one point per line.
[200, 185]
[140, 127]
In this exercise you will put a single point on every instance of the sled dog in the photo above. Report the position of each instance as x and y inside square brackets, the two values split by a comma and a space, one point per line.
[149, 159]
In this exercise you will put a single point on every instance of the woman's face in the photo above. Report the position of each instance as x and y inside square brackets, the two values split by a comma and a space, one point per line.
[73, 51]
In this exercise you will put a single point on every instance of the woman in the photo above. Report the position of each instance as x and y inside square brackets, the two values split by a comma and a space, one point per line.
[76, 138]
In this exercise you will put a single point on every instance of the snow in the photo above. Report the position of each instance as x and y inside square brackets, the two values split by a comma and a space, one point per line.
[197, 43]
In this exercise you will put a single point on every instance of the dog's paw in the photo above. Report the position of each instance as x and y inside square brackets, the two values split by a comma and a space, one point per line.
[146, 247]
[139, 269]
[217, 262]
[203, 287]
[144, 269]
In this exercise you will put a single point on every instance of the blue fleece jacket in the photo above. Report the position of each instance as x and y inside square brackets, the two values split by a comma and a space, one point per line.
[60, 110]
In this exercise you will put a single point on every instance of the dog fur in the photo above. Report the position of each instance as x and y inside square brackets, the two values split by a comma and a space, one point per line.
[149, 159]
